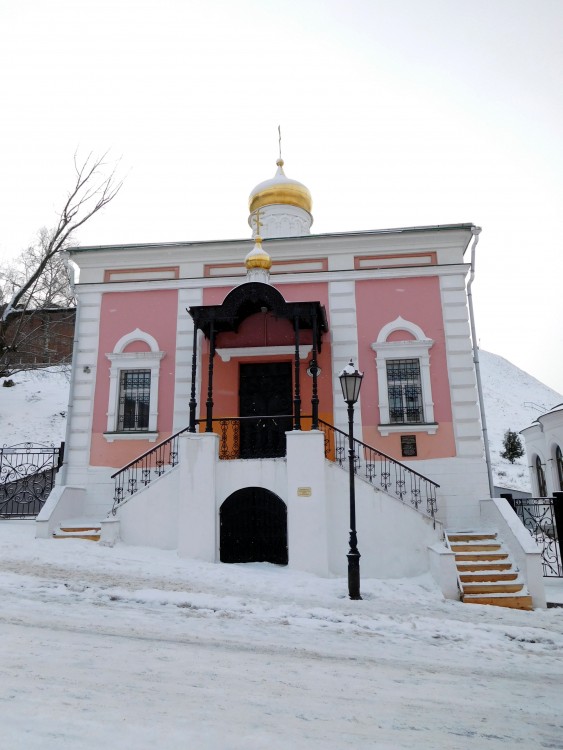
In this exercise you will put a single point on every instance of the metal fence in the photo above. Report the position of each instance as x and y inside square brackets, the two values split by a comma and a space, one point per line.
[27, 476]
[543, 517]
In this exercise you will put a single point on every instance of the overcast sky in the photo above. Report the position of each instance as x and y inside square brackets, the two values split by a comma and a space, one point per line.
[393, 112]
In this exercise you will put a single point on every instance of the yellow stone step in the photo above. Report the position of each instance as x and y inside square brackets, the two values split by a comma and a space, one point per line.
[73, 529]
[492, 588]
[88, 537]
[514, 602]
[470, 547]
[491, 575]
[483, 565]
[470, 537]
[481, 557]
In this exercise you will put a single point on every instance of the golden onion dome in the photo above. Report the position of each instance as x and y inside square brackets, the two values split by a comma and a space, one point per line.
[280, 190]
[258, 257]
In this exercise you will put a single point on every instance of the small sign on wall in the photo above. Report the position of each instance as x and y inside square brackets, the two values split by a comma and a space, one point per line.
[304, 492]
[408, 445]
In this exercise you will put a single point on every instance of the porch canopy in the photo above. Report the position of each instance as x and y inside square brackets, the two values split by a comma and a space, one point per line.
[242, 302]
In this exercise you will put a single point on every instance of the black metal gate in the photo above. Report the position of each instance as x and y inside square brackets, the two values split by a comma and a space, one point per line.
[253, 527]
[543, 517]
[27, 476]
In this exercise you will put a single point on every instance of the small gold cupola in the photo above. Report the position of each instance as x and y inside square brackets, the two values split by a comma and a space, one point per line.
[258, 257]
[258, 261]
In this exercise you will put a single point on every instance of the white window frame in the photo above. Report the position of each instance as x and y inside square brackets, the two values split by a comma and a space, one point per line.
[121, 360]
[416, 348]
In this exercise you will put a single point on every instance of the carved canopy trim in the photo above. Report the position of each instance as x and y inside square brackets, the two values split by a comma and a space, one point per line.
[247, 299]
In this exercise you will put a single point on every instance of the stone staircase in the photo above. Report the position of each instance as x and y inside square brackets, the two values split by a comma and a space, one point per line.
[78, 528]
[486, 573]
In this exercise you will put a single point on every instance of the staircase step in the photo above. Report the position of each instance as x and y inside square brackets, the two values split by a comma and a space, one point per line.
[78, 528]
[89, 537]
[483, 565]
[480, 556]
[73, 529]
[500, 600]
[492, 587]
[468, 536]
[489, 575]
[486, 572]
[474, 547]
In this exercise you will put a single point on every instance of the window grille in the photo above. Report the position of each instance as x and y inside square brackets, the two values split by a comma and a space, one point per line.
[405, 391]
[134, 400]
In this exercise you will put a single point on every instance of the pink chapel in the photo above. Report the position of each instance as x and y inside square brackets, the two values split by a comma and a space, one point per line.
[209, 410]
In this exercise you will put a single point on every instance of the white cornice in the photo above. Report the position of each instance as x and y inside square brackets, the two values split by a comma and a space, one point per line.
[281, 279]
[227, 354]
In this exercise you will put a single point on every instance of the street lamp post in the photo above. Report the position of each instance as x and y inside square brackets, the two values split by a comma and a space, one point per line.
[350, 382]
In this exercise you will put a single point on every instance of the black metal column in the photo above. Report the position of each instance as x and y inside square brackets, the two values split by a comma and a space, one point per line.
[314, 371]
[193, 402]
[297, 396]
[353, 555]
[209, 402]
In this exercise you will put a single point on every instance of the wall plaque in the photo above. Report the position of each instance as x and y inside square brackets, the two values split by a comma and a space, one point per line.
[304, 492]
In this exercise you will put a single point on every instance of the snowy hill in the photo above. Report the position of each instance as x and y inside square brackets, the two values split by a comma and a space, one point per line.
[513, 400]
[35, 410]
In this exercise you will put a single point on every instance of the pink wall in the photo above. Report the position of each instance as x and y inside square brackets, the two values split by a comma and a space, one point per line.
[155, 313]
[380, 301]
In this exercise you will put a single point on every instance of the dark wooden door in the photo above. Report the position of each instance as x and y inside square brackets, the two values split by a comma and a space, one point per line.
[265, 408]
[253, 527]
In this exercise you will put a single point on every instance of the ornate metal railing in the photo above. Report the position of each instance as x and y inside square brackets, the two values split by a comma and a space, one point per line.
[382, 471]
[240, 437]
[27, 476]
[543, 517]
[145, 469]
[252, 437]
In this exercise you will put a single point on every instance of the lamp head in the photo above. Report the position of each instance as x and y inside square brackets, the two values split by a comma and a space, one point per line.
[350, 382]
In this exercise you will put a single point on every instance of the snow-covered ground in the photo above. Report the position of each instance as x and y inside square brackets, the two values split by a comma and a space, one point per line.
[35, 409]
[135, 648]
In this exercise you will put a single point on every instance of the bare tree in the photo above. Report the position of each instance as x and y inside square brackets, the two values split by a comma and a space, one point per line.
[52, 289]
[39, 279]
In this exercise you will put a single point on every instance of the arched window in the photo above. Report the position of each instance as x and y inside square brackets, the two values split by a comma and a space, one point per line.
[559, 465]
[403, 378]
[540, 475]
[133, 390]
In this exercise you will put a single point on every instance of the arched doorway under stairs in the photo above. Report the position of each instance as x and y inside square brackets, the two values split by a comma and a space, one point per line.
[253, 527]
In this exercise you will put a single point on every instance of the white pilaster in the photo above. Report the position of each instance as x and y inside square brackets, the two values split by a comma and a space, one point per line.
[461, 368]
[344, 335]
